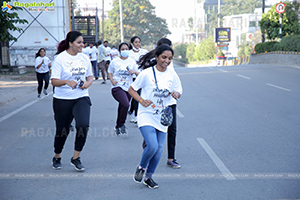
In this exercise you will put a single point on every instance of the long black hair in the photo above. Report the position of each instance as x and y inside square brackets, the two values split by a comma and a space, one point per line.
[148, 60]
[132, 40]
[71, 37]
[122, 45]
[38, 53]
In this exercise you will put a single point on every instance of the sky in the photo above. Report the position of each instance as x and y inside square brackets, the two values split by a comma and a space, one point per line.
[176, 13]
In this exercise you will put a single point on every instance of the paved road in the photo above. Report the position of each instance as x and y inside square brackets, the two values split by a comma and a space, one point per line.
[238, 138]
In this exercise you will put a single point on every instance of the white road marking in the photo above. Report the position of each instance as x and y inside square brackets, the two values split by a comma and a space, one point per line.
[222, 70]
[21, 108]
[179, 113]
[223, 169]
[243, 76]
[296, 67]
[282, 88]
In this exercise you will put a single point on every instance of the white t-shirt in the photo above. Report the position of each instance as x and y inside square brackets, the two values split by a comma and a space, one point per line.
[107, 49]
[167, 82]
[114, 53]
[93, 52]
[45, 66]
[118, 68]
[86, 51]
[68, 67]
[136, 55]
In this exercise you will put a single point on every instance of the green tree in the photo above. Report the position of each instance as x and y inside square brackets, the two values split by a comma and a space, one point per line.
[236, 7]
[180, 52]
[138, 19]
[190, 50]
[245, 48]
[191, 23]
[205, 50]
[290, 22]
[8, 19]
[230, 7]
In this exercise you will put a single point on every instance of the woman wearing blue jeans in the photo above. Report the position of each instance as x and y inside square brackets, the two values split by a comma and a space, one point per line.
[153, 99]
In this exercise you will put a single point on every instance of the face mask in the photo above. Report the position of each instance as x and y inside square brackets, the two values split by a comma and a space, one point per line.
[135, 48]
[125, 53]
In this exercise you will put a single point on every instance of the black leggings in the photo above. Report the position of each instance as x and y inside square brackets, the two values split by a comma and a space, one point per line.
[134, 104]
[172, 129]
[64, 112]
[40, 78]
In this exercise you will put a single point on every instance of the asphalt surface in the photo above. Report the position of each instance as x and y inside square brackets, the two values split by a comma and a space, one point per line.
[238, 138]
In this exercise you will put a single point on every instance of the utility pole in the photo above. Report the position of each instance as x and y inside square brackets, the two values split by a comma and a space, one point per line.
[196, 24]
[219, 12]
[263, 31]
[102, 38]
[121, 21]
[73, 18]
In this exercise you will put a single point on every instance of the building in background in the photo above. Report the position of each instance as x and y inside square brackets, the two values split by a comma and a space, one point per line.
[46, 27]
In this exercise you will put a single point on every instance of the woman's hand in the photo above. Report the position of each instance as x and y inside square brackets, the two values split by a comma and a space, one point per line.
[175, 95]
[114, 82]
[72, 84]
[146, 102]
[87, 83]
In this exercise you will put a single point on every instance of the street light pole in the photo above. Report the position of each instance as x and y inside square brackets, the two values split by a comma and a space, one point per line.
[263, 31]
[219, 12]
[121, 21]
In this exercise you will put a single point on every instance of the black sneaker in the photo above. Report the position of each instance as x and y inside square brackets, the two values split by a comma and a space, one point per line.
[45, 92]
[144, 144]
[118, 131]
[138, 175]
[77, 164]
[56, 163]
[123, 129]
[150, 183]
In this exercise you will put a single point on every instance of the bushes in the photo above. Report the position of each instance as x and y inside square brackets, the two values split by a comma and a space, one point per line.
[288, 43]
[180, 52]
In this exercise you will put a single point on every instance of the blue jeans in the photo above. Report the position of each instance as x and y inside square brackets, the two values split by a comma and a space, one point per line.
[94, 65]
[155, 140]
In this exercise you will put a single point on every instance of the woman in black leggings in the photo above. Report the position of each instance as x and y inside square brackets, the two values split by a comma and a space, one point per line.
[42, 64]
[71, 75]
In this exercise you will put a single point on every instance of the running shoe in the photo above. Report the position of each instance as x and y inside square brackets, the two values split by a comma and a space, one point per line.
[123, 129]
[150, 183]
[173, 164]
[138, 175]
[77, 164]
[56, 163]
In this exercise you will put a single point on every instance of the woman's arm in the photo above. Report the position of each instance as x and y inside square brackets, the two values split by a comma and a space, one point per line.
[88, 82]
[138, 98]
[111, 78]
[37, 67]
[57, 83]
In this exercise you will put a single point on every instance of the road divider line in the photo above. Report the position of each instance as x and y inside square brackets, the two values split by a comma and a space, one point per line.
[223, 169]
[21, 108]
[278, 87]
[245, 77]
[222, 70]
[179, 113]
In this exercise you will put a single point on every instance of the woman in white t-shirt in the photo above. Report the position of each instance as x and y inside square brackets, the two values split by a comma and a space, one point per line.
[135, 52]
[153, 99]
[120, 72]
[149, 60]
[93, 58]
[42, 67]
[71, 75]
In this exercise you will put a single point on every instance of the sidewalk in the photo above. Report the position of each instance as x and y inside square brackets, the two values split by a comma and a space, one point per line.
[13, 87]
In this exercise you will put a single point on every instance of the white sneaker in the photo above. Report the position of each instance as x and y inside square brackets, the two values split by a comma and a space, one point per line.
[135, 119]
[132, 118]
